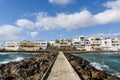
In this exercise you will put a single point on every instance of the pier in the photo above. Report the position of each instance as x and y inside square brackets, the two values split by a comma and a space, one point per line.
[62, 70]
[52, 66]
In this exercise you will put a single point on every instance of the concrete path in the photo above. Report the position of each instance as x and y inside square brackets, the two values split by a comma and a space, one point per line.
[62, 69]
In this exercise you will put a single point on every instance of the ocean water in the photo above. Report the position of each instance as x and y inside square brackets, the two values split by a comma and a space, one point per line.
[15, 56]
[109, 62]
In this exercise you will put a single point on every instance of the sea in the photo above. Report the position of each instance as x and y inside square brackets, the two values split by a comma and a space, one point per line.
[109, 62]
[15, 56]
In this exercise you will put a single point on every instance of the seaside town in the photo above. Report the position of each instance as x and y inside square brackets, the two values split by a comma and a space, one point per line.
[81, 44]
[47, 66]
[59, 39]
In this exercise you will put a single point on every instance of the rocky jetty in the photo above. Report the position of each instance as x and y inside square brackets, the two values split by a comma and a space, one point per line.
[28, 69]
[86, 71]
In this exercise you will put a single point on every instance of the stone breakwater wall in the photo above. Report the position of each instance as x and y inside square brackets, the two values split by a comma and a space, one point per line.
[27, 69]
[86, 71]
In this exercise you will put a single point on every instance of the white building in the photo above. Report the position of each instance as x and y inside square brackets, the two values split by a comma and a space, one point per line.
[106, 44]
[41, 44]
[116, 44]
[51, 43]
[92, 44]
[76, 43]
[88, 46]
[79, 43]
[11, 45]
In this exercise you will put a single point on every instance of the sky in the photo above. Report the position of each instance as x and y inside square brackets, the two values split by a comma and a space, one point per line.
[56, 19]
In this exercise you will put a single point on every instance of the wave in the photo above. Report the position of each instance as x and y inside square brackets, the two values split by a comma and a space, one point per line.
[16, 59]
[99, 66]
[5, 53]
[105, 68]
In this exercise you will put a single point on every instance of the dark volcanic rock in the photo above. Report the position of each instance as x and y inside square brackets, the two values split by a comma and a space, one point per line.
[86, 71]
[27, 69]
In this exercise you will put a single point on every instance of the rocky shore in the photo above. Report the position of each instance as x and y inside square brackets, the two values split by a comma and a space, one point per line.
[86, 71]
[27, 69]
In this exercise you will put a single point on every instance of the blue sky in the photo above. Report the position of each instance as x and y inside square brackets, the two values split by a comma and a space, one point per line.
[55, 19]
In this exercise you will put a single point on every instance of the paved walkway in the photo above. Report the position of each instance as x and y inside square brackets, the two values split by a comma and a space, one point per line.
[62, 70]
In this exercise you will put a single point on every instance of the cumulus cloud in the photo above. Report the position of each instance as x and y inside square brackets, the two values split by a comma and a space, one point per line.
[34, 34]
[74, 20]
[61, 2]
[80, 19]
[112, 35]
[113, 4]
[25, 23]
[9, 32]
[67, 21]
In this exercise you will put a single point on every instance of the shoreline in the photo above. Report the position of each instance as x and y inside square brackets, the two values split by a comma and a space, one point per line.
[83, 68]
[27, 69]
[64, 51]
[87, 71]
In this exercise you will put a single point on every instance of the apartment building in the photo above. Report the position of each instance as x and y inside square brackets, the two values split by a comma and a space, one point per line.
[42, 44]
[95, 43]
[79, 43]
[115, 44]
[62, 44]
[106, 44]
[88, 46]
[11, 45]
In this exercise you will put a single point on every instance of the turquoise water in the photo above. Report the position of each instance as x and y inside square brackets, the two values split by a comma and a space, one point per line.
[14, 56]
[110, 62]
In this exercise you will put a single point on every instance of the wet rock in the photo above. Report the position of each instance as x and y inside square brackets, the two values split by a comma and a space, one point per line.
[27, 69]
[86, 71]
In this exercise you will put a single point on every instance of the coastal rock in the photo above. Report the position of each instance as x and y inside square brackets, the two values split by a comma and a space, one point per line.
[86, 71]
[27, 69]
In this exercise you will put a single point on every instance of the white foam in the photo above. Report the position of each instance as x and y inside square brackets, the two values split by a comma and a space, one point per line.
[115, 60]
[96, 65]
[103, 67]
[5, 53]
[4, 62]
[100, 66]
[116, 74]
[16, 59]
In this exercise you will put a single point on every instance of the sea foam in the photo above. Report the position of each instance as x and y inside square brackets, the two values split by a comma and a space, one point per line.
[16, 59]
[99, 66]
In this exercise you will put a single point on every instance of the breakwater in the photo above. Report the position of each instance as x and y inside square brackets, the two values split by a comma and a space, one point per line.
[86, 71]
[40, 67]
[27, 69]
[62, 69]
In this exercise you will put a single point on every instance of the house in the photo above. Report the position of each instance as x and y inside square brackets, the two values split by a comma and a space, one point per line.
[28, 46]
[106, 44]
[51, 43]
[62, 44]
[116, 44]
[11, 45]
[79, 43]
[42, 44]
[88, 46]
[76, 43]
[95, 43]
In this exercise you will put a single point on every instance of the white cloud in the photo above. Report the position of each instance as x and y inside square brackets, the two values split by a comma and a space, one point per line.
[108, 16]
[113, 4]
[25, 23]
[9, 32]
[80, 19]
[61, 2]
[66, 21]
[34, 34]
[112, 35]
[74, 20]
